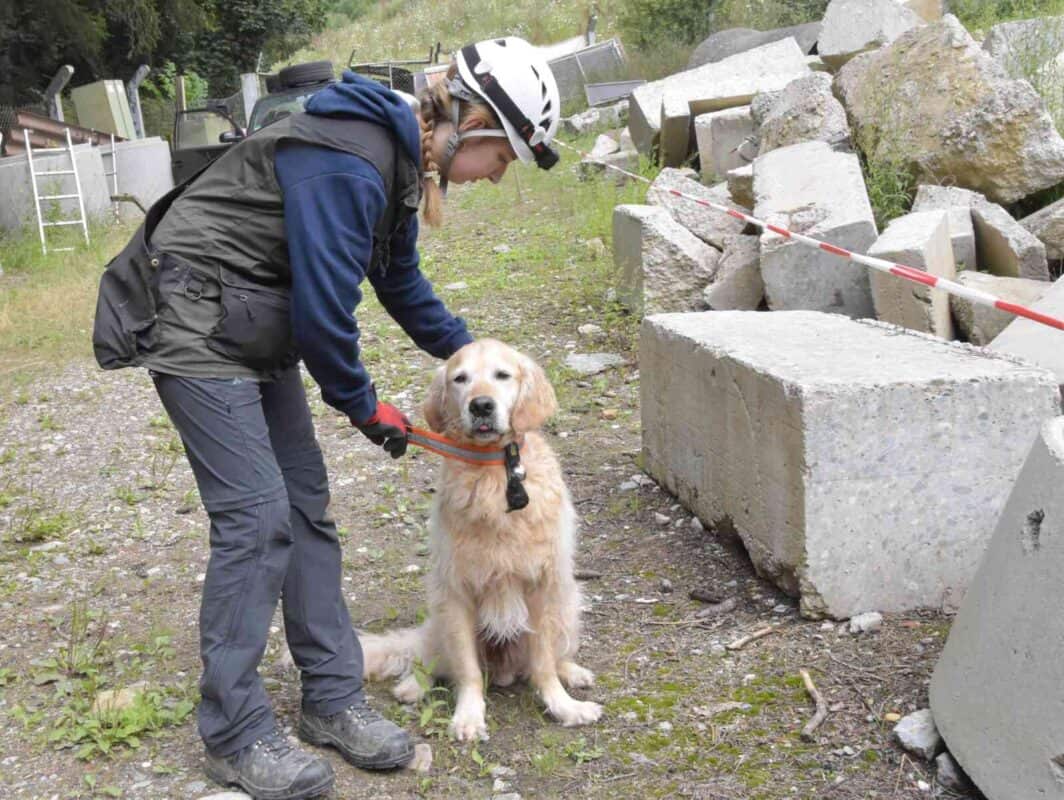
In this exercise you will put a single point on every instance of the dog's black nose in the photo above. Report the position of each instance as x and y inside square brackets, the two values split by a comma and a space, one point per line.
[481, 406]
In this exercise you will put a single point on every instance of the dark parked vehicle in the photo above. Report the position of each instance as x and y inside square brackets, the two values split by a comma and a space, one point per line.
[203, 134]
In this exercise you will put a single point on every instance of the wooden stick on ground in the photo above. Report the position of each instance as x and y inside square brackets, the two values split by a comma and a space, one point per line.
[821, 712]
[739, 644]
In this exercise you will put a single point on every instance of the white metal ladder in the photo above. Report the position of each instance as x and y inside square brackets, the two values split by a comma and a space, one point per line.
[113, 175]
[38, 197]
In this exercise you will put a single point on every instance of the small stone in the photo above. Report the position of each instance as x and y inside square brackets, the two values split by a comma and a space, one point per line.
[592, 363]
[195, 787]
[411, 568]
[628, 486]
[641, 760]
[848, 751]
[592, 332]
[923, 786]
[866, 623]
[718, 650]
[891, 717]
[917, 734]
[610, 413]
[456, 286]
[501, 249]
[716, 609]
[950, 776]
[422, 760]
[665, 727]
[781, 608]
[661, 519]
[506, 796]
[665, 587]
[499, 785]
[596, 249]
[827, 626]
[630, 716]
[499, 771]
[696, 525]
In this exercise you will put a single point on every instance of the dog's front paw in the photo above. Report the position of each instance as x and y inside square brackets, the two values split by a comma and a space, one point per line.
[467, 724]
[577, 712]
[574, 676]
[408, 690]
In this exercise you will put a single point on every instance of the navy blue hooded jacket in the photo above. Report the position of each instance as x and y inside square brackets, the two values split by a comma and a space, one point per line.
[332, 201]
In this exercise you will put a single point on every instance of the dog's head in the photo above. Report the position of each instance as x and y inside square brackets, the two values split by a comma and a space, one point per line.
[488, 390]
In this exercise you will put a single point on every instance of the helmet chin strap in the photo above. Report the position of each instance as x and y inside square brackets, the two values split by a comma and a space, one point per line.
[459, 94]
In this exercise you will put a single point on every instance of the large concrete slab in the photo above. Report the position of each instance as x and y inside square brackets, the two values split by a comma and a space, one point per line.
[731, 41]
[1048, 225]
[1033, 341]
[980, 324]
[810, 188]
[711, 87]
[862, 465]
[919, 240]
[709, 225]
[854, 26]
[16, 191]
[996, 690]
[662, 265]
[725, 141]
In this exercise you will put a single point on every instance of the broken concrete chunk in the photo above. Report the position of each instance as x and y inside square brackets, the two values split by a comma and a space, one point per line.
[712, 87]
[725, 140]
[1033, 341]
[950, 776]
[1048, 225]
[804, 111]
[917, 733]
[662, 265]
[708, 224]
[868, 622]
[604, 145]
[853, 26]
[1004, 247]
[737, 286]
[741, 185]
[810, 188]
[959, 118]
[628, 160]
[980, 324]
[929, 10]
[733, 41]
[789, 425]
[959, 204]
[992, 689]
[1026, 46]
[592, 363]
[919, 240]
[596, 118]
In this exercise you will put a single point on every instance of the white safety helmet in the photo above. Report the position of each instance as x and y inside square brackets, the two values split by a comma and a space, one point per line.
[512, 77]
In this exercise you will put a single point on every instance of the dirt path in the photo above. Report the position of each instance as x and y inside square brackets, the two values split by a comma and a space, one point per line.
[103, 550]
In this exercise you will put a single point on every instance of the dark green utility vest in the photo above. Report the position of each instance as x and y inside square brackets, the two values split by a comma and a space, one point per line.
[208, 271]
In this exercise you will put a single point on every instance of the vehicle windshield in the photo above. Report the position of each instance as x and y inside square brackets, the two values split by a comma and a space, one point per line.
[278, 106]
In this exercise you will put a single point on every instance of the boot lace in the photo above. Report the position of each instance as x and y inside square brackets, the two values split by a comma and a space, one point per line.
[274, 745]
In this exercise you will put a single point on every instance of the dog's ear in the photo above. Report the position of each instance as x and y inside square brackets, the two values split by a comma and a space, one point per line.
[536, 402]
[432, 408]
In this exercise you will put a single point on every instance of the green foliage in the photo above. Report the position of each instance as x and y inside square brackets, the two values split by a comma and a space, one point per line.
[980, 15]
[646, 24]
[764, 15]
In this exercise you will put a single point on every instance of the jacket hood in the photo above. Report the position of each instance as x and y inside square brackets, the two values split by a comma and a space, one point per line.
[361, 98]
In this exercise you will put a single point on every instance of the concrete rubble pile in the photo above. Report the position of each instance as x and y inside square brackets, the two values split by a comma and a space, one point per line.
[864, 437]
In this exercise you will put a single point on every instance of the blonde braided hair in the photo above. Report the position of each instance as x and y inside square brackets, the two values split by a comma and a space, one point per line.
[435, 106]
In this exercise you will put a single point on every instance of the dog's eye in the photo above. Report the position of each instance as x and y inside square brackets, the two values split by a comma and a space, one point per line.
[502, 375]
[460, 378]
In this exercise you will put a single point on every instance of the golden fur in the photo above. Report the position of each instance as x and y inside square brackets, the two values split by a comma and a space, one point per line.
[501, 592]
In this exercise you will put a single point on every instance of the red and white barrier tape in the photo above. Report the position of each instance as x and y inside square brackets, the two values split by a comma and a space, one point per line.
[899, 270]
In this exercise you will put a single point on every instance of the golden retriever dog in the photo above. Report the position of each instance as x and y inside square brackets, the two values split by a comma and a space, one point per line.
[501, 594]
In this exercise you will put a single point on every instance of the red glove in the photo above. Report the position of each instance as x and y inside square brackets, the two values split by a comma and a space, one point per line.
[387, 427]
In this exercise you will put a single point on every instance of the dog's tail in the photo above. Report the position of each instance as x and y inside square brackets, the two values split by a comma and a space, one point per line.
[391, 655]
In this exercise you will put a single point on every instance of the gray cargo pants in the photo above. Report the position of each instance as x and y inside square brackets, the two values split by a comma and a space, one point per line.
[262, 480]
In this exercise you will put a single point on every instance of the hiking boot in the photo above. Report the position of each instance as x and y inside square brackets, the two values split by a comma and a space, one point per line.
[362, 736]
[271, 769]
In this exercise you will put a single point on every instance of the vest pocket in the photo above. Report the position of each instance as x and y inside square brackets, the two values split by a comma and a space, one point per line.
[255, 328]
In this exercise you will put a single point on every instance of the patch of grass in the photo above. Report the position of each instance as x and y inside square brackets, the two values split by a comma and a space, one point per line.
[34, 524]
[47, 301]
[979, 16]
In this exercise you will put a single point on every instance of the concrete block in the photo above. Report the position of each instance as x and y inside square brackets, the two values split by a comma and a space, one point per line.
[741, 185]
[854, 26]
[662, 265]
[810, 188]
[1048, 225]
[16, 191]
[725, 140]
[1004, 247]
[709, 225]
[995, 692]
[861, 464]
[143, 171]
[625, 159]
[732, 41]
[961, 231]
[711, 87]
[919, 240]
[804, 111]
[981, 324]
[1033, 341]
[604, 146]
[737, 286]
